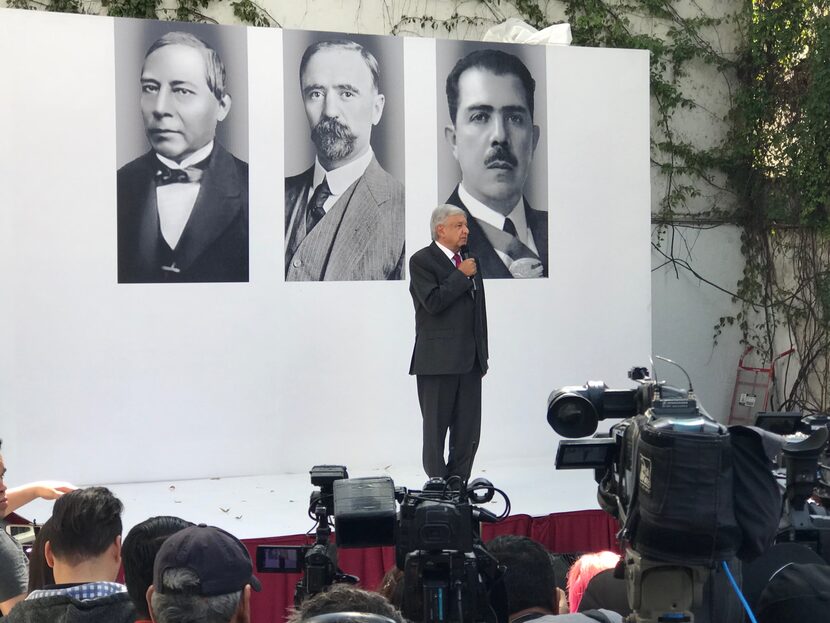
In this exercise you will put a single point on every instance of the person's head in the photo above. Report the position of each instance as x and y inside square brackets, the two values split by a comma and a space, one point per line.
[529, 579]
[202, 573]
[492, 134]
[183, 94]
[584, 568]
[86, 535]
[448, 225]
[339, 86]
[344, 598]
[139, 550]
[40, 573]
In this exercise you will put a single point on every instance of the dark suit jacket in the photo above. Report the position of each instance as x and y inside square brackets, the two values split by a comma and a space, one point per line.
[214, 243]
[490, 263]
[450, 325]
[360, 238]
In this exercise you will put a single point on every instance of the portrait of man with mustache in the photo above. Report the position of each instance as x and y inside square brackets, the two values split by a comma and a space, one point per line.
[493, 137]
[344, 216]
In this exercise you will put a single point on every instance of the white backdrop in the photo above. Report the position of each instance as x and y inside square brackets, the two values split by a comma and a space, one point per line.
[101, 382]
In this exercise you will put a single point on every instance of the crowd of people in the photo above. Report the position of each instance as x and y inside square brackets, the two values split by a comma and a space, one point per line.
[178, 572]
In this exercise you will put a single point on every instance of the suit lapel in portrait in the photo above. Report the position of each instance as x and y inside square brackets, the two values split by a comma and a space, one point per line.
[148, 234]
[359, 228]
[218, 203]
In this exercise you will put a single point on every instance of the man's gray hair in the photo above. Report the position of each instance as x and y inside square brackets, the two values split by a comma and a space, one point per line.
[184, 606]
[349, 46]
[440, 215]
[215, 75]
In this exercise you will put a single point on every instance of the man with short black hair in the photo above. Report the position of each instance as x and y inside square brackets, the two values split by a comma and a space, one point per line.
[493, 137]
[13, 565]
[530, 583]
[202, 574]
[85, 554]
[141, 545]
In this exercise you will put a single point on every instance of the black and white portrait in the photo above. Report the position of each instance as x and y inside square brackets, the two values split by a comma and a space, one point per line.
[491, 154]
[344, 192]
[181, 102]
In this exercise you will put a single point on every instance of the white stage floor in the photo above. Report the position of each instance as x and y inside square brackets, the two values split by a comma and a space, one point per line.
[276, 505]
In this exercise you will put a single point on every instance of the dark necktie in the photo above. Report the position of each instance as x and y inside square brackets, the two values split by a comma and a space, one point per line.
[510, 228]
[456, 259]
[165, 175]
[314, 210]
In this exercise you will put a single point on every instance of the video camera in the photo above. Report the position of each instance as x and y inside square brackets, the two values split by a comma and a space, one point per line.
[317, 562]
[804, 466]
[448, 575]
[671, 475]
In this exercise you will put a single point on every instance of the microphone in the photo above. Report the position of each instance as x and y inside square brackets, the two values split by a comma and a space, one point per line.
[464, 251]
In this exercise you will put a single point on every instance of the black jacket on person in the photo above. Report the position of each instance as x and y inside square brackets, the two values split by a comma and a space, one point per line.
[450, 324]
[116, 608]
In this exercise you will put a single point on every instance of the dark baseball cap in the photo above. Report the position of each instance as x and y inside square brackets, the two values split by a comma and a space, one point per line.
[218, 558]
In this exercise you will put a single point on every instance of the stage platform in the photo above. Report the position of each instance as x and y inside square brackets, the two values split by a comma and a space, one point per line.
[254, 507]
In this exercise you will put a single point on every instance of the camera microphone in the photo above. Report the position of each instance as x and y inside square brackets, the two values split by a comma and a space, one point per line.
[464, 251]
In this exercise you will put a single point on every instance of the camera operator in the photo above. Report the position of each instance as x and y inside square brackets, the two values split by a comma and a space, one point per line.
[531, 584]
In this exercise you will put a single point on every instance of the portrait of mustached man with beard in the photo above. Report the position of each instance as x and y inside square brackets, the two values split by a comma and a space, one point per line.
[344, 216]
[490, 95]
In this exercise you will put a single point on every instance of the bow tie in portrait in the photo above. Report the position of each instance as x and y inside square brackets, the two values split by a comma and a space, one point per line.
[166, 175]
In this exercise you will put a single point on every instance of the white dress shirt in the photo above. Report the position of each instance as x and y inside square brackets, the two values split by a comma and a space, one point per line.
[175, 201]
[339, 179]
[496, 219]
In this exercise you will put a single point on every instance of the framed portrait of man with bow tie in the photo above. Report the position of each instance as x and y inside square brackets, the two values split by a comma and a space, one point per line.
[492, 152]
[182, 150]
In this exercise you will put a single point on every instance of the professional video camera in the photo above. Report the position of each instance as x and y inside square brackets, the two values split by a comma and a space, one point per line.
[804, 466]
[448, 575]
[669, 472]
[318, 562]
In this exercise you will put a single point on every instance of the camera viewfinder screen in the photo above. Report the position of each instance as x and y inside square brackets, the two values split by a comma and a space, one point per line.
[275, 558]
[579, 454]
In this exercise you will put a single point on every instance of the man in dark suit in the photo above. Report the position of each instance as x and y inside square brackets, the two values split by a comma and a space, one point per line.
[450, 355]
[183, 206]
[344, 216]
[493, 138]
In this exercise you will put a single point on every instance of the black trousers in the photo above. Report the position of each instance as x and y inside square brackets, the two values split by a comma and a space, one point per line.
[450, 402]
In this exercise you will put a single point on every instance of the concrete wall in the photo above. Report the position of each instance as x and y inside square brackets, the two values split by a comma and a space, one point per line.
[685, 310]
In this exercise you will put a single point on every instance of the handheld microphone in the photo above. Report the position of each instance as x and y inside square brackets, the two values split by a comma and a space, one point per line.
[465, 254]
